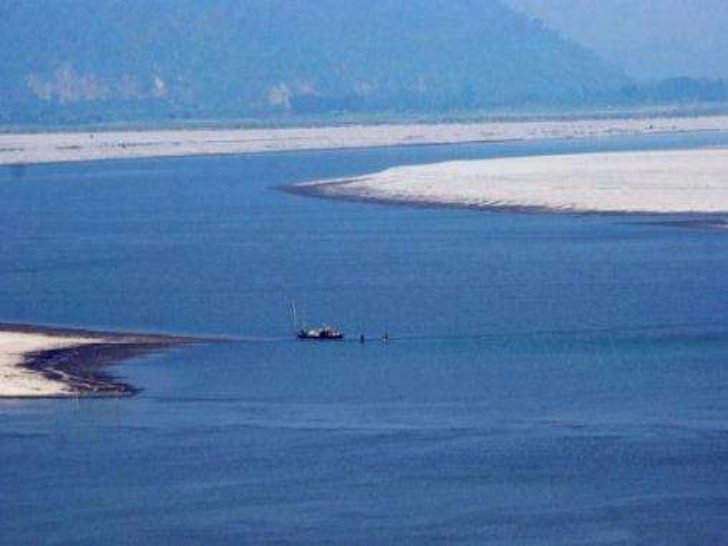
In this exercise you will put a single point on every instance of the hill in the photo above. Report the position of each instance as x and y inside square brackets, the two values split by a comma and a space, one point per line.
[650, 39]
[74, 60]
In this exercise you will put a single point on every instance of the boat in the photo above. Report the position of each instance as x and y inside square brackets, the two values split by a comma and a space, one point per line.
[324, 333]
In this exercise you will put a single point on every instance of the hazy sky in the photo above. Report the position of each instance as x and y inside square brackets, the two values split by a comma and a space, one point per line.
[649, 38]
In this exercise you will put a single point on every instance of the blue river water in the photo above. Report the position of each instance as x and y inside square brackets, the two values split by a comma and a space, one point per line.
[550, 379]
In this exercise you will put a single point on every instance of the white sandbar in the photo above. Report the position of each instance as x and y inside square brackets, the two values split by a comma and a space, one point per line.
[681, 181]
[16, 381]
[28, 148]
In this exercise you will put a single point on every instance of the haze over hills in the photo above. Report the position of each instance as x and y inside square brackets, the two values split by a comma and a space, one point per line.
[141, 59]
[651, 39]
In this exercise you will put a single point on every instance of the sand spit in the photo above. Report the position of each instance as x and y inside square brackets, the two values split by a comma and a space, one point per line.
[682, 181]
[28, 148]
[50, 362]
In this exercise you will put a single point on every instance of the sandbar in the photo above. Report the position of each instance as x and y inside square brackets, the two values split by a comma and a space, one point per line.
[53, 147]
[651, 182]
[44, 362]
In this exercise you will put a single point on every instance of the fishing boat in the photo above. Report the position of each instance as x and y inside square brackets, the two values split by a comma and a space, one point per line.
[323, 333]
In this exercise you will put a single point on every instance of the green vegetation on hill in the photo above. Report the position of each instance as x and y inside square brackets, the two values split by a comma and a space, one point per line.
[80, 61]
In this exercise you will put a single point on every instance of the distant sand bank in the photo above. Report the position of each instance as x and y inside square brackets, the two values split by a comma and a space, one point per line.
[51, 362]
[86, 146]
[683, 181]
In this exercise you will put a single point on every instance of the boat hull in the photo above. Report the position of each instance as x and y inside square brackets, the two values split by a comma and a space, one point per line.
[320, 334]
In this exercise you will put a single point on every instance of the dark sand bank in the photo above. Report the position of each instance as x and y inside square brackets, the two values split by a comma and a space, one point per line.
[80, 365]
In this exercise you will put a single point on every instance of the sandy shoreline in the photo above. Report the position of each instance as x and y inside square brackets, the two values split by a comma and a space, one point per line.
[30, 148]
[40, 362]
[658, 182]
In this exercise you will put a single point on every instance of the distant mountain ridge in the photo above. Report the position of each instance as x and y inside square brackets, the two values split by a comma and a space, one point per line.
[651, 39]
[89, 60]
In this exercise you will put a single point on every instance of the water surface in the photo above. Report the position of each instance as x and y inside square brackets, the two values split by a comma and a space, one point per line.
[551, 379]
